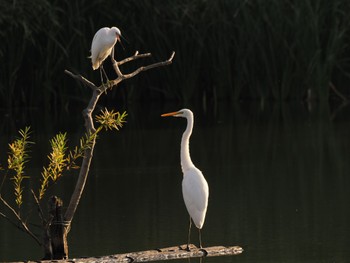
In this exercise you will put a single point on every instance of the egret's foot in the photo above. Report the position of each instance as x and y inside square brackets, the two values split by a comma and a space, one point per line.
[205, 253]
[107, 85]
[189, 247]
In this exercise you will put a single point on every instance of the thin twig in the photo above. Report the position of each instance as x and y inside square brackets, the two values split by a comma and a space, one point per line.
[81, 79]
[20, 220]
[3, 181]
[10, 221]
[134, 57]
[41, 214]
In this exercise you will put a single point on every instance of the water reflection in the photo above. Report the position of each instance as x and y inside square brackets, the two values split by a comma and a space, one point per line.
[278, 179]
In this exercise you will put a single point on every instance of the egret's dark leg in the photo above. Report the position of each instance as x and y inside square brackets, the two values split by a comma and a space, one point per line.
[104, 72]
[101, 75]
[112, 54]
[200, 238]
[189, 235]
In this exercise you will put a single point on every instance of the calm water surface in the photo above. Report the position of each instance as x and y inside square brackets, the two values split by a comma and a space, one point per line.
[278, 176]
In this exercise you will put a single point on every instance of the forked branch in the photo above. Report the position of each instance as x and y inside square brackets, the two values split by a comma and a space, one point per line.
[87, 113]
[120, 75]
[143, 68]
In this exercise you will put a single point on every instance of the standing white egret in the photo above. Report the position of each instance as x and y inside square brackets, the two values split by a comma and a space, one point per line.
[195, 188]
[102, 46]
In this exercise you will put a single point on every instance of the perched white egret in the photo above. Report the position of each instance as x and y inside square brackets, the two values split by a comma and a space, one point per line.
[195, 188]
[102, 46]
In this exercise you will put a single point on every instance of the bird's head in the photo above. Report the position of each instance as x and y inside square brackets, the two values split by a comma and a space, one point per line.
[185, 113]
[116, 32]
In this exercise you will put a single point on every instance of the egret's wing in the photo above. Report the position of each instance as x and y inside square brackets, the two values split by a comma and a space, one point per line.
[98, 36]
[99, 47]
[195, 192]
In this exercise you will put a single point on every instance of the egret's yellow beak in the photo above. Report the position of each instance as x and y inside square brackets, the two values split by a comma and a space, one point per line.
[170, 114]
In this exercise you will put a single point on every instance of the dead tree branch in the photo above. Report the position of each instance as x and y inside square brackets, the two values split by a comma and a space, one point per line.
[10, 221]
[21, 222]
[87, 113]
[134, 57]
[82, 79]
[41, 214]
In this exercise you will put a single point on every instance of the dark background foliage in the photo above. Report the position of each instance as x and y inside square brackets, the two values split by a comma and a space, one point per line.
[244, 49]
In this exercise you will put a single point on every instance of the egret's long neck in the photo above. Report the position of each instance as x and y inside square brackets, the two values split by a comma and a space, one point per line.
[185, 147]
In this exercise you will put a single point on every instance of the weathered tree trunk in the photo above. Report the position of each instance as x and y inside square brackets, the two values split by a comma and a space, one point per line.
[57, 232]
[47, 244]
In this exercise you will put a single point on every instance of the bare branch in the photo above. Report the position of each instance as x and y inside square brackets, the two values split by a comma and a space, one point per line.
[144, 68]
[81, 79]
[102, 88]
[41, 214]
[83, 174]
[88, 153]
[10, 221]
[20, 220]
[87, 113]
[134, 57]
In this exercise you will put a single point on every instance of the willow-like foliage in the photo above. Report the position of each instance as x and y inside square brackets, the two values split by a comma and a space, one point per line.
[17, 158]
[61, 161]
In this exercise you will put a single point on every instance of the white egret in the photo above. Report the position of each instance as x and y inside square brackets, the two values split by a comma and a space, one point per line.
[195, 188]
[102, 46]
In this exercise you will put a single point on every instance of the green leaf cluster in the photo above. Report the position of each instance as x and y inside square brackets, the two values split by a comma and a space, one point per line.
[17, 158]
[110, 120]
[60, 158]
[57, 162]
[60, 161]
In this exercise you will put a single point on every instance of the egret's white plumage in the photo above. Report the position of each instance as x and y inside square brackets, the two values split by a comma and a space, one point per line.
[195, 193]
[195, 188]
[102, 45]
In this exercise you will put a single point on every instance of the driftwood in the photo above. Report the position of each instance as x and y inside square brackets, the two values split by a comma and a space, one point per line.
[176, 252]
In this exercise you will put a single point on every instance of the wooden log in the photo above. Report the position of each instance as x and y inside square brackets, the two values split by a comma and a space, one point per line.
[169, 253]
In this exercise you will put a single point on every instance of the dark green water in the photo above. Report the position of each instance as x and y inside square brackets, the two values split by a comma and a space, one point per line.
[279, 178]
